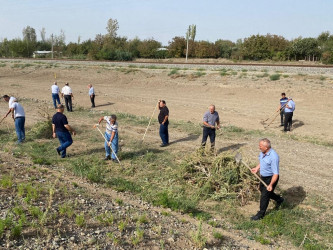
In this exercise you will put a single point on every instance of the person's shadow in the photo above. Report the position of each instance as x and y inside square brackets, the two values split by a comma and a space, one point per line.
[105, 104]
[190, 137]
[297, 124]
[293, 196]
[233, 147]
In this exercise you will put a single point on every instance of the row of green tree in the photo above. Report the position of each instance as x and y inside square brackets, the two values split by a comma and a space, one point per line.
[110, 46]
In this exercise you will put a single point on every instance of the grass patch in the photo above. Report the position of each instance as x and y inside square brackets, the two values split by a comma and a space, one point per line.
[275, 77]
[173, 72]
[122, 185]
[199, 74]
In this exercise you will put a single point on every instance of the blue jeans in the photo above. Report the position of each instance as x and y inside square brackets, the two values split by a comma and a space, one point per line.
[65, 140]
[19, 127]
[55, 97]
[164, 133]
[114, 145]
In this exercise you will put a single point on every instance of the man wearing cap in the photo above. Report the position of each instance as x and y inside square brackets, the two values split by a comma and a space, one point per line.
[55, 94]
[210, 118]
[269, 172]
[66, 92]
[163, 119]
[289, 112]
[18, 115]
[92, 95]
[10, 100]
[283, 102]
[111, 137]
[61, 129]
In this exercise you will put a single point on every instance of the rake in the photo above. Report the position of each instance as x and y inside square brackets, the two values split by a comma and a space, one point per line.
[96, 126]
[238, 159]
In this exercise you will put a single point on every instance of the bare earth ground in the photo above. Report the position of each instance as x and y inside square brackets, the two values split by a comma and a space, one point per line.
[241, 101]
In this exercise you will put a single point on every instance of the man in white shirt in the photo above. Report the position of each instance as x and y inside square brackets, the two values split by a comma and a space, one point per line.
[18, 115]
[55, 94]
[10, 100]
[66, 93]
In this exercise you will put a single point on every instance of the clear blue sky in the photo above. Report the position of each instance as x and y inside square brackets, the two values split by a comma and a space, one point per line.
[165, 19]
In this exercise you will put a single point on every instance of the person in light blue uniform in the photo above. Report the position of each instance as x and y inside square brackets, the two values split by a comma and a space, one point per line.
[91, 95]
[283, 102]
[289, 112]
[111, 136]
[55, 94]
[269, 171]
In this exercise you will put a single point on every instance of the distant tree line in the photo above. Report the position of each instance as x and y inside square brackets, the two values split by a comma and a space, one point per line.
[110, 46]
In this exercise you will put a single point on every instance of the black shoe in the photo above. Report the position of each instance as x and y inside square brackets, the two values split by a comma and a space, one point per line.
[114, 160]
[164, 145]
[58, 151]
[257, 217]
[281, 125]
[107, 158]
[278, 203]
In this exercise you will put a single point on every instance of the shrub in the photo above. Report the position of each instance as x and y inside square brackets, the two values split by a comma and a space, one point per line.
[275, 77]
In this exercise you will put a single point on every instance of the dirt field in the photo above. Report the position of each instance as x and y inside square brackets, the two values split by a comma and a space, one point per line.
[242, 98]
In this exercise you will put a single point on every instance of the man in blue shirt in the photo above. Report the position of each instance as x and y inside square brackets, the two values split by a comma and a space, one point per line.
[288, 113]
[283, 102]
[210, 118]
[269, 172]
[61, 129]
[92, 95]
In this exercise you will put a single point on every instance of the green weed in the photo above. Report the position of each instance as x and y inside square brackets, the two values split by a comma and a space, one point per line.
[138, 237]
[198, 238]
[275, 77]
[66, 209]
[173, 72]
[6, 181]
[217, 235]
[80, 220]
[122, 225]
[106, 218]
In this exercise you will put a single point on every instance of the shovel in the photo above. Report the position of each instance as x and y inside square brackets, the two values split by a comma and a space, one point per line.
[238, 159]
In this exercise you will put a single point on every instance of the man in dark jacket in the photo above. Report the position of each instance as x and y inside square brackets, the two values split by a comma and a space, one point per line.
[61, 129]
[164, 122]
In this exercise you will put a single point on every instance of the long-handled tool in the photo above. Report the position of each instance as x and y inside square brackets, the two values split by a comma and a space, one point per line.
[275, 116]
[149, 122]
[238, 159]
[2, 119]
[263, 122]
[96, 126]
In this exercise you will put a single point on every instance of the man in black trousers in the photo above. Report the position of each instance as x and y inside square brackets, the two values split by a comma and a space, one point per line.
[210, 118]
[269, 171]
[163, 119]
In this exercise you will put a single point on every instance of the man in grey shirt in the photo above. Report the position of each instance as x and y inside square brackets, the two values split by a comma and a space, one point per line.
[210, 118]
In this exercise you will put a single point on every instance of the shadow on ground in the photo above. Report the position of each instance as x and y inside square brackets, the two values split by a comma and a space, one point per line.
[294, 196]
[188, 138]
[233, 147]
[137, 153]
[297, 124]
[105, 104]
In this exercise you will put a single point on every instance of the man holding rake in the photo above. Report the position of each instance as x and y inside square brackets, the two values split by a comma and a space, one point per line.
[269, 172]
[111, 137]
